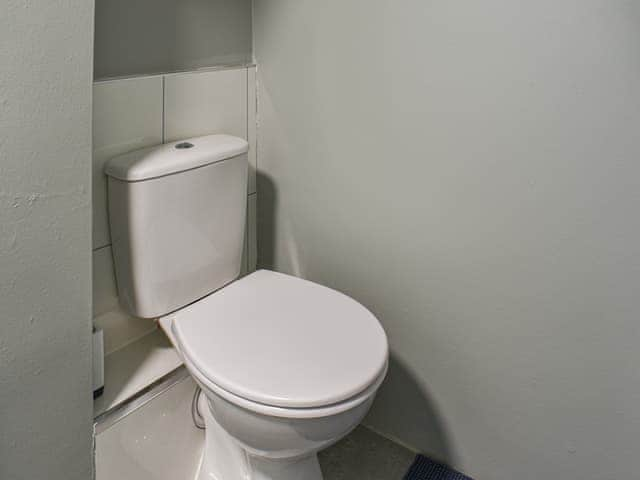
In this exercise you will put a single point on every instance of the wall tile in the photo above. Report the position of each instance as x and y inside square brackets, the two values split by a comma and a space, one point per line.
[252, 127]
[105, 293]
[202, 103]
[127, 115]
[119, 327]
[252, 241]
[244, 269]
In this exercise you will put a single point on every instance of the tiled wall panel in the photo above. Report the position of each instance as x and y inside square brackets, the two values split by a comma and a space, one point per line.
[135, 113]
[252, 242]
[127, 115]
[203, 103]
[252, 126]
[105, 293]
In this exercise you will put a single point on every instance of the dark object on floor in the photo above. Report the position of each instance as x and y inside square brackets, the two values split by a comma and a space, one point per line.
[425, 469]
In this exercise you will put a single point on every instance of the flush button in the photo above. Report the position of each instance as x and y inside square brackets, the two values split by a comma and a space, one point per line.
[184, 145]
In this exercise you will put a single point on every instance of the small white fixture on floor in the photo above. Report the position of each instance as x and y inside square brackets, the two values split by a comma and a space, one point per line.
[288, 367]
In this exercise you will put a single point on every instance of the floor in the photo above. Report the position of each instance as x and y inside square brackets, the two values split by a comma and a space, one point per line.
[159, 442]
[365, 455]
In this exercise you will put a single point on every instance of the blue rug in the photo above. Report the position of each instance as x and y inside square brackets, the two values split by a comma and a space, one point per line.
[425, 469]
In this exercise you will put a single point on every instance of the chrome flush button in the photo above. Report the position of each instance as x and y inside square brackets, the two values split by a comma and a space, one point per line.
[184, 145]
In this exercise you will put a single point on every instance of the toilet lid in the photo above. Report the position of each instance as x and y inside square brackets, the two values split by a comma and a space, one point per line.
[283, 341]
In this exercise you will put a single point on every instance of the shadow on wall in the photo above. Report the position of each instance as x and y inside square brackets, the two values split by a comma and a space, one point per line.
[394, 411]
[403, 409]
[150, 36]
[266, 221]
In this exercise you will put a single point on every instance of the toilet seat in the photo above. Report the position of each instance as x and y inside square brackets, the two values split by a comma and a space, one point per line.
[284, 412]
[283, 346]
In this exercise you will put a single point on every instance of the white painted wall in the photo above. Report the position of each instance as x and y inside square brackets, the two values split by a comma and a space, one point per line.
[469, 171]
[45, 239]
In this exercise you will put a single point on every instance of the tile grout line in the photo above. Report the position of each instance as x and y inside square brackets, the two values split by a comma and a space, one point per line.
[256, 121]
[214, 68]
[163, 107]
[247, 226]
[246, 96]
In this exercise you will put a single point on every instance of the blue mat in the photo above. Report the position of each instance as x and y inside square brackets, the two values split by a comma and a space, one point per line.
[425, 469]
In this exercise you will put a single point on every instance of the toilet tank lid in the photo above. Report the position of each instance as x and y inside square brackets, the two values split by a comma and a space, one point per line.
[174, 157]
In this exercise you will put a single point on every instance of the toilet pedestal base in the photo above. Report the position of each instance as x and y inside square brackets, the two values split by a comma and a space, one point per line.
[224, 459]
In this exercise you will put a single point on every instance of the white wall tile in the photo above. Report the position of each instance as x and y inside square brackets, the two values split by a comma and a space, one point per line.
[252, 241]
[244, 269]
[202, 103]
[252, 250]
[119, 327]
[249, 249]
[105, 293]
[127, 115]
[252, 127]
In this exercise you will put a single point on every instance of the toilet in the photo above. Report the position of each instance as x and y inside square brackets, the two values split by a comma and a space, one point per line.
[287, 367]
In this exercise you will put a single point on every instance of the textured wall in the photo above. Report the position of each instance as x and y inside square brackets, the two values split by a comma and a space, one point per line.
[469, 171]
[45, 240]
[148, 36]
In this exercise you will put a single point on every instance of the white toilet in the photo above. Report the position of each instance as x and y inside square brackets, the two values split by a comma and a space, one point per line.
[288, 367]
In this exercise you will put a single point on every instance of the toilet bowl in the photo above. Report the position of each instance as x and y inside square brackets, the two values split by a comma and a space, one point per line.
[287, 366]
[270, 427]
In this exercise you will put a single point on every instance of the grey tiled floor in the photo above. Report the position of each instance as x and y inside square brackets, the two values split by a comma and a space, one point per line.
[365, 455]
